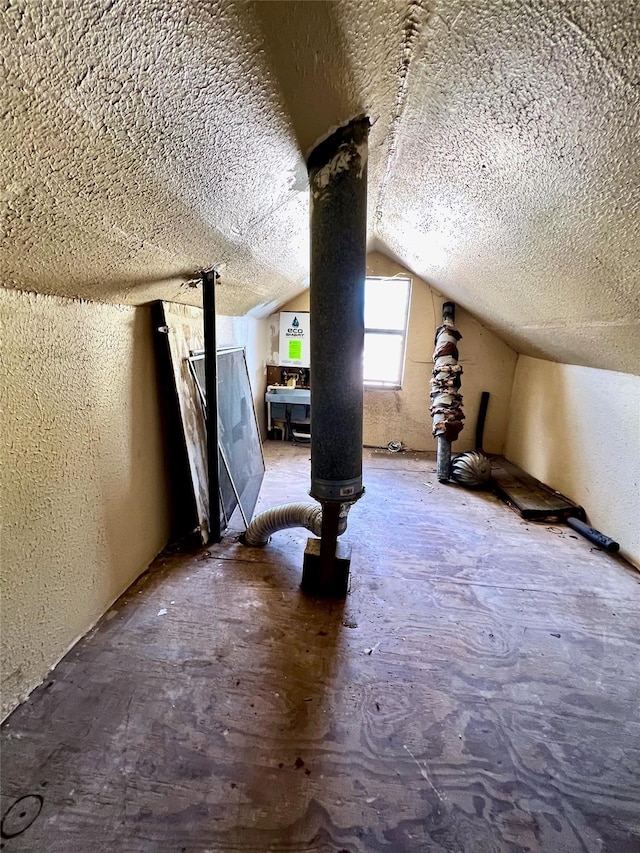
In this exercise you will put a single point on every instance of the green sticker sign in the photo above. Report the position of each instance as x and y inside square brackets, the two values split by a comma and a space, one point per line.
[295, 350]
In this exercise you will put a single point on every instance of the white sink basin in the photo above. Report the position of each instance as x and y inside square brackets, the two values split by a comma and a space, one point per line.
[284, 394]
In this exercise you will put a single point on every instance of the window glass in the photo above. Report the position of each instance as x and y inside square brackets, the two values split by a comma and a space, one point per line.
[385, 303]
[386, 312]
[382, 358]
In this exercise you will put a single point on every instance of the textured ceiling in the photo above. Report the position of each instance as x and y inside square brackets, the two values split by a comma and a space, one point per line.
[145, 139]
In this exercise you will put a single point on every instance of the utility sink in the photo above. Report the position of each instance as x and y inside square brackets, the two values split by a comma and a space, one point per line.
[284, 394]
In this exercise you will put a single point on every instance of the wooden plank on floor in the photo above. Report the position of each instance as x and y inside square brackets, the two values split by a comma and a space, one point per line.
[532, 498]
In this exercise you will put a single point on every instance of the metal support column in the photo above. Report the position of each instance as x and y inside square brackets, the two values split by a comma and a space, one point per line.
[211, 385]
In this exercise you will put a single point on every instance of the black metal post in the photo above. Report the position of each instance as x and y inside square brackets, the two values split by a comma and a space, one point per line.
[482, 416]
[328, 544]
[211, 389]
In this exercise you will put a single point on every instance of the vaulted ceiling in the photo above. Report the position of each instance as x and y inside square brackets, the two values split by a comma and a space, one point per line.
[145, 139]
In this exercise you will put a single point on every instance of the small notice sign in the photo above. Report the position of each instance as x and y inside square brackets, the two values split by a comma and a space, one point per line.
[295, 350]
[294, 338]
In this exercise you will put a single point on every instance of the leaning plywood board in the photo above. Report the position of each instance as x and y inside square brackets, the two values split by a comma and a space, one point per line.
[532, 498]
[186, 334]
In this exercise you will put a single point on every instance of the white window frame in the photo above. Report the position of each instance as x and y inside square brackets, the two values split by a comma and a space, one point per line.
[383, 385]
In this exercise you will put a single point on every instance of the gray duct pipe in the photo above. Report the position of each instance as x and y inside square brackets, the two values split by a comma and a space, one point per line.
[338, 181]
[338, 178]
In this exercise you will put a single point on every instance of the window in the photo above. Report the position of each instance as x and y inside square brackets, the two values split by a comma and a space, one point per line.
[386, 315]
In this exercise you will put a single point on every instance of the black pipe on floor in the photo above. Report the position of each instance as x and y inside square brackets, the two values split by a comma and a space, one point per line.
[593, 535]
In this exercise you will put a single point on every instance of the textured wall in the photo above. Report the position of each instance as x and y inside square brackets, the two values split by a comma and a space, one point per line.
[84, 500]
[488, 366]
[578, 430]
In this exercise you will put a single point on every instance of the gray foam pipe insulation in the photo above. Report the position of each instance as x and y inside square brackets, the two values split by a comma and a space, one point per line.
[338, 184]
[338, 178]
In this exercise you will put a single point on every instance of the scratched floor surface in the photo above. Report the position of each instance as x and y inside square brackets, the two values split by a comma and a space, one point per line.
[478, 692]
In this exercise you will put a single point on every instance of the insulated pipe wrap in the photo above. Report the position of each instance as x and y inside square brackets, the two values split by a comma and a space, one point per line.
[338, 181]
[446, 399]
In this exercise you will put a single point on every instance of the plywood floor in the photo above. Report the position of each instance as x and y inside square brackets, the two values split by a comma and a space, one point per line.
[479, 691]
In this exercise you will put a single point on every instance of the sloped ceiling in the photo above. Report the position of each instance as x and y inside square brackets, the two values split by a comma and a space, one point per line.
[144, 140]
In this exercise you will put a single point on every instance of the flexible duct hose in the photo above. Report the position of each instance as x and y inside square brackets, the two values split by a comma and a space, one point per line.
[281, 518]
[286, 516]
